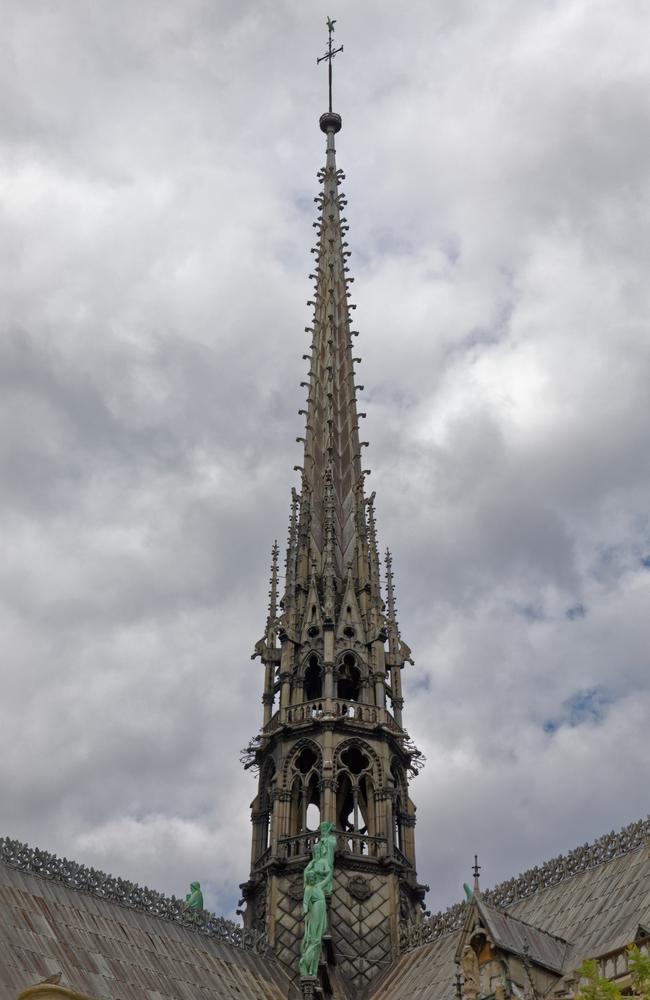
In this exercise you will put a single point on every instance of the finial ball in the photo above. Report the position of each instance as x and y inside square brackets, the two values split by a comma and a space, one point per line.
[330, 122]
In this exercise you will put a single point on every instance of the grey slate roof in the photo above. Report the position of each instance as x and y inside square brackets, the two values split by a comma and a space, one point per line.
[598, 910]
[516, 936]
[108, 950]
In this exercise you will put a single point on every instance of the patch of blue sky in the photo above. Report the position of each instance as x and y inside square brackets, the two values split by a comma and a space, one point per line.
[588, 706]
[531, 612]
[612, 561]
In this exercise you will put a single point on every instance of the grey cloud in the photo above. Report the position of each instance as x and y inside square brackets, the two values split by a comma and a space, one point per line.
[158, 168]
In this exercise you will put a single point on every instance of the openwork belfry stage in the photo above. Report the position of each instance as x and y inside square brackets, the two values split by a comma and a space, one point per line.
[333, 906]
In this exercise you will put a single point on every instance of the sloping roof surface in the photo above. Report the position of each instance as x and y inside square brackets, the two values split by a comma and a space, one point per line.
[514, 935]
[598, 910]
[107, 950]
[423, 974]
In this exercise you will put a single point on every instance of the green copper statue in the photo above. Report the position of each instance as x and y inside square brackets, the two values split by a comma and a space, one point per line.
[194, 898]
[314, 906]
[322, 857]
[319, 884]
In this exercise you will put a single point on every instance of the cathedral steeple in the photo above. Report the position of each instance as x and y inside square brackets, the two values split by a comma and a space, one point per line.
[331, 440]
[330, 749]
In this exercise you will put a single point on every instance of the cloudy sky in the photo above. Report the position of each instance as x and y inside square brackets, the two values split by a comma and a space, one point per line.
[157, 176]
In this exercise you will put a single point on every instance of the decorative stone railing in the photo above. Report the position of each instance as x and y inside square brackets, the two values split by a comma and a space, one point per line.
[391, 724]
[611, 845]
[118, 890]
[263, 858]
[401, 856]
[339, 708]
[300, 846]
[359, 844]
[273, 723]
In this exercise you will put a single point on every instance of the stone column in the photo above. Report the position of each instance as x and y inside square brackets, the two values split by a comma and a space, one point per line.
[328, 665]
[267, 701]
[380, 673]
[408, 827]
[285, 675]
[398, 701]
[328, 809]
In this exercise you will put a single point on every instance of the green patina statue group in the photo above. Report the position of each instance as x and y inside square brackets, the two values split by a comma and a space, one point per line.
[319, 883]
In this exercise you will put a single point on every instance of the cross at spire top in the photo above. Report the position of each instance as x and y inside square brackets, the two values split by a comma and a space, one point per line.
[476, 871]
[329, 55]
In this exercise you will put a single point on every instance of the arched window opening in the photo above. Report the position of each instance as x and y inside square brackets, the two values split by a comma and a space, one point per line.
[355, 799]
[313, 816]
[313, 685]
[267, 783]
[345, 805]
[295, 819]
[367, 805]
[305, 801]
[399, 804]
[305, 760]
[349, 679]
[311, 804]
[354, 759]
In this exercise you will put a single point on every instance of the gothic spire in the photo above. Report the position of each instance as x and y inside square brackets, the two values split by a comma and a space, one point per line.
[332, 451]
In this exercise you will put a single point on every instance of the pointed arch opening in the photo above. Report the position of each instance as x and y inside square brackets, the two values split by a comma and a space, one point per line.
[312, 815]
[313, 680]
[303, 772]
[348, 680]
[345, 805]
[399, 805]
[266, 799]
[355, 798]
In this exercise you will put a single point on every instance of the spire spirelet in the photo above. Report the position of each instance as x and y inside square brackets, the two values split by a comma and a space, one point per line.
[273, 593]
